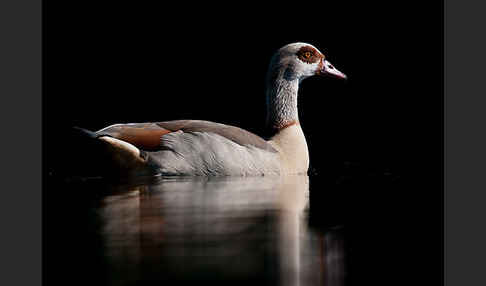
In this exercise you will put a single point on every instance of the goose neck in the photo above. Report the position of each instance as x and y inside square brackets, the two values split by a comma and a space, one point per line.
[282, 102]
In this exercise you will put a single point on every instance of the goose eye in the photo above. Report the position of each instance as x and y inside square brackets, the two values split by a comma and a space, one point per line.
[308, 55]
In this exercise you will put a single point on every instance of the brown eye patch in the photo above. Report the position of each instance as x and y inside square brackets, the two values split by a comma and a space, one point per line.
[309, 55]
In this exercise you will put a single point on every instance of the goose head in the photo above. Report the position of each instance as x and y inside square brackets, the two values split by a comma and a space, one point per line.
[300, 61]
[288, 67]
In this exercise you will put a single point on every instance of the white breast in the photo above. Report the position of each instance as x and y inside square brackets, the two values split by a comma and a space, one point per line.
[292, 148]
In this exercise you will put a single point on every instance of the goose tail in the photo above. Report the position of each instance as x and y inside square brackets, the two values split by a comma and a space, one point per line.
[92, 154]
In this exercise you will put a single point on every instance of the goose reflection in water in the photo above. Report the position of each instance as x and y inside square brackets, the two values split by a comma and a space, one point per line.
[219, 230]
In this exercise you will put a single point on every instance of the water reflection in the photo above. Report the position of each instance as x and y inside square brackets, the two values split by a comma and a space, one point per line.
[224, 230]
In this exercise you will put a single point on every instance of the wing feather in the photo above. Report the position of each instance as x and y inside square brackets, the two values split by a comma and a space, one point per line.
[148, 136]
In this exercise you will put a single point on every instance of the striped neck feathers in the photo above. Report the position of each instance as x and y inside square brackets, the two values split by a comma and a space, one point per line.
[282, 89]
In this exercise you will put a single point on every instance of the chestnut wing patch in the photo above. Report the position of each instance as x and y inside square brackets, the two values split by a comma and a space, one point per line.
[145, 136]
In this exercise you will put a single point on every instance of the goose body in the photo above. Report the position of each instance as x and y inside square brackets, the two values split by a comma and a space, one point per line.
[204, 148]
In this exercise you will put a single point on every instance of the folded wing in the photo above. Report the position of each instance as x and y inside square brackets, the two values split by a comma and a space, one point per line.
[149, 136]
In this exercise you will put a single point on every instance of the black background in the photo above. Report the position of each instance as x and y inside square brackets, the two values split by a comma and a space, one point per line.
[379, 132]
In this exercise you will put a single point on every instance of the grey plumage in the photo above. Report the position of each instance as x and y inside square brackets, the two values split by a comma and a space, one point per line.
[210, 154]
[203, 148]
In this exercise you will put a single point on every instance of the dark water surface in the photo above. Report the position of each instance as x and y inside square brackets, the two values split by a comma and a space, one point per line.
[218, 231]
[359, 226]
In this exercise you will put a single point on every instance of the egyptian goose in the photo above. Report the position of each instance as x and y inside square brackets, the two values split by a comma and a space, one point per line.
[203, 148]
